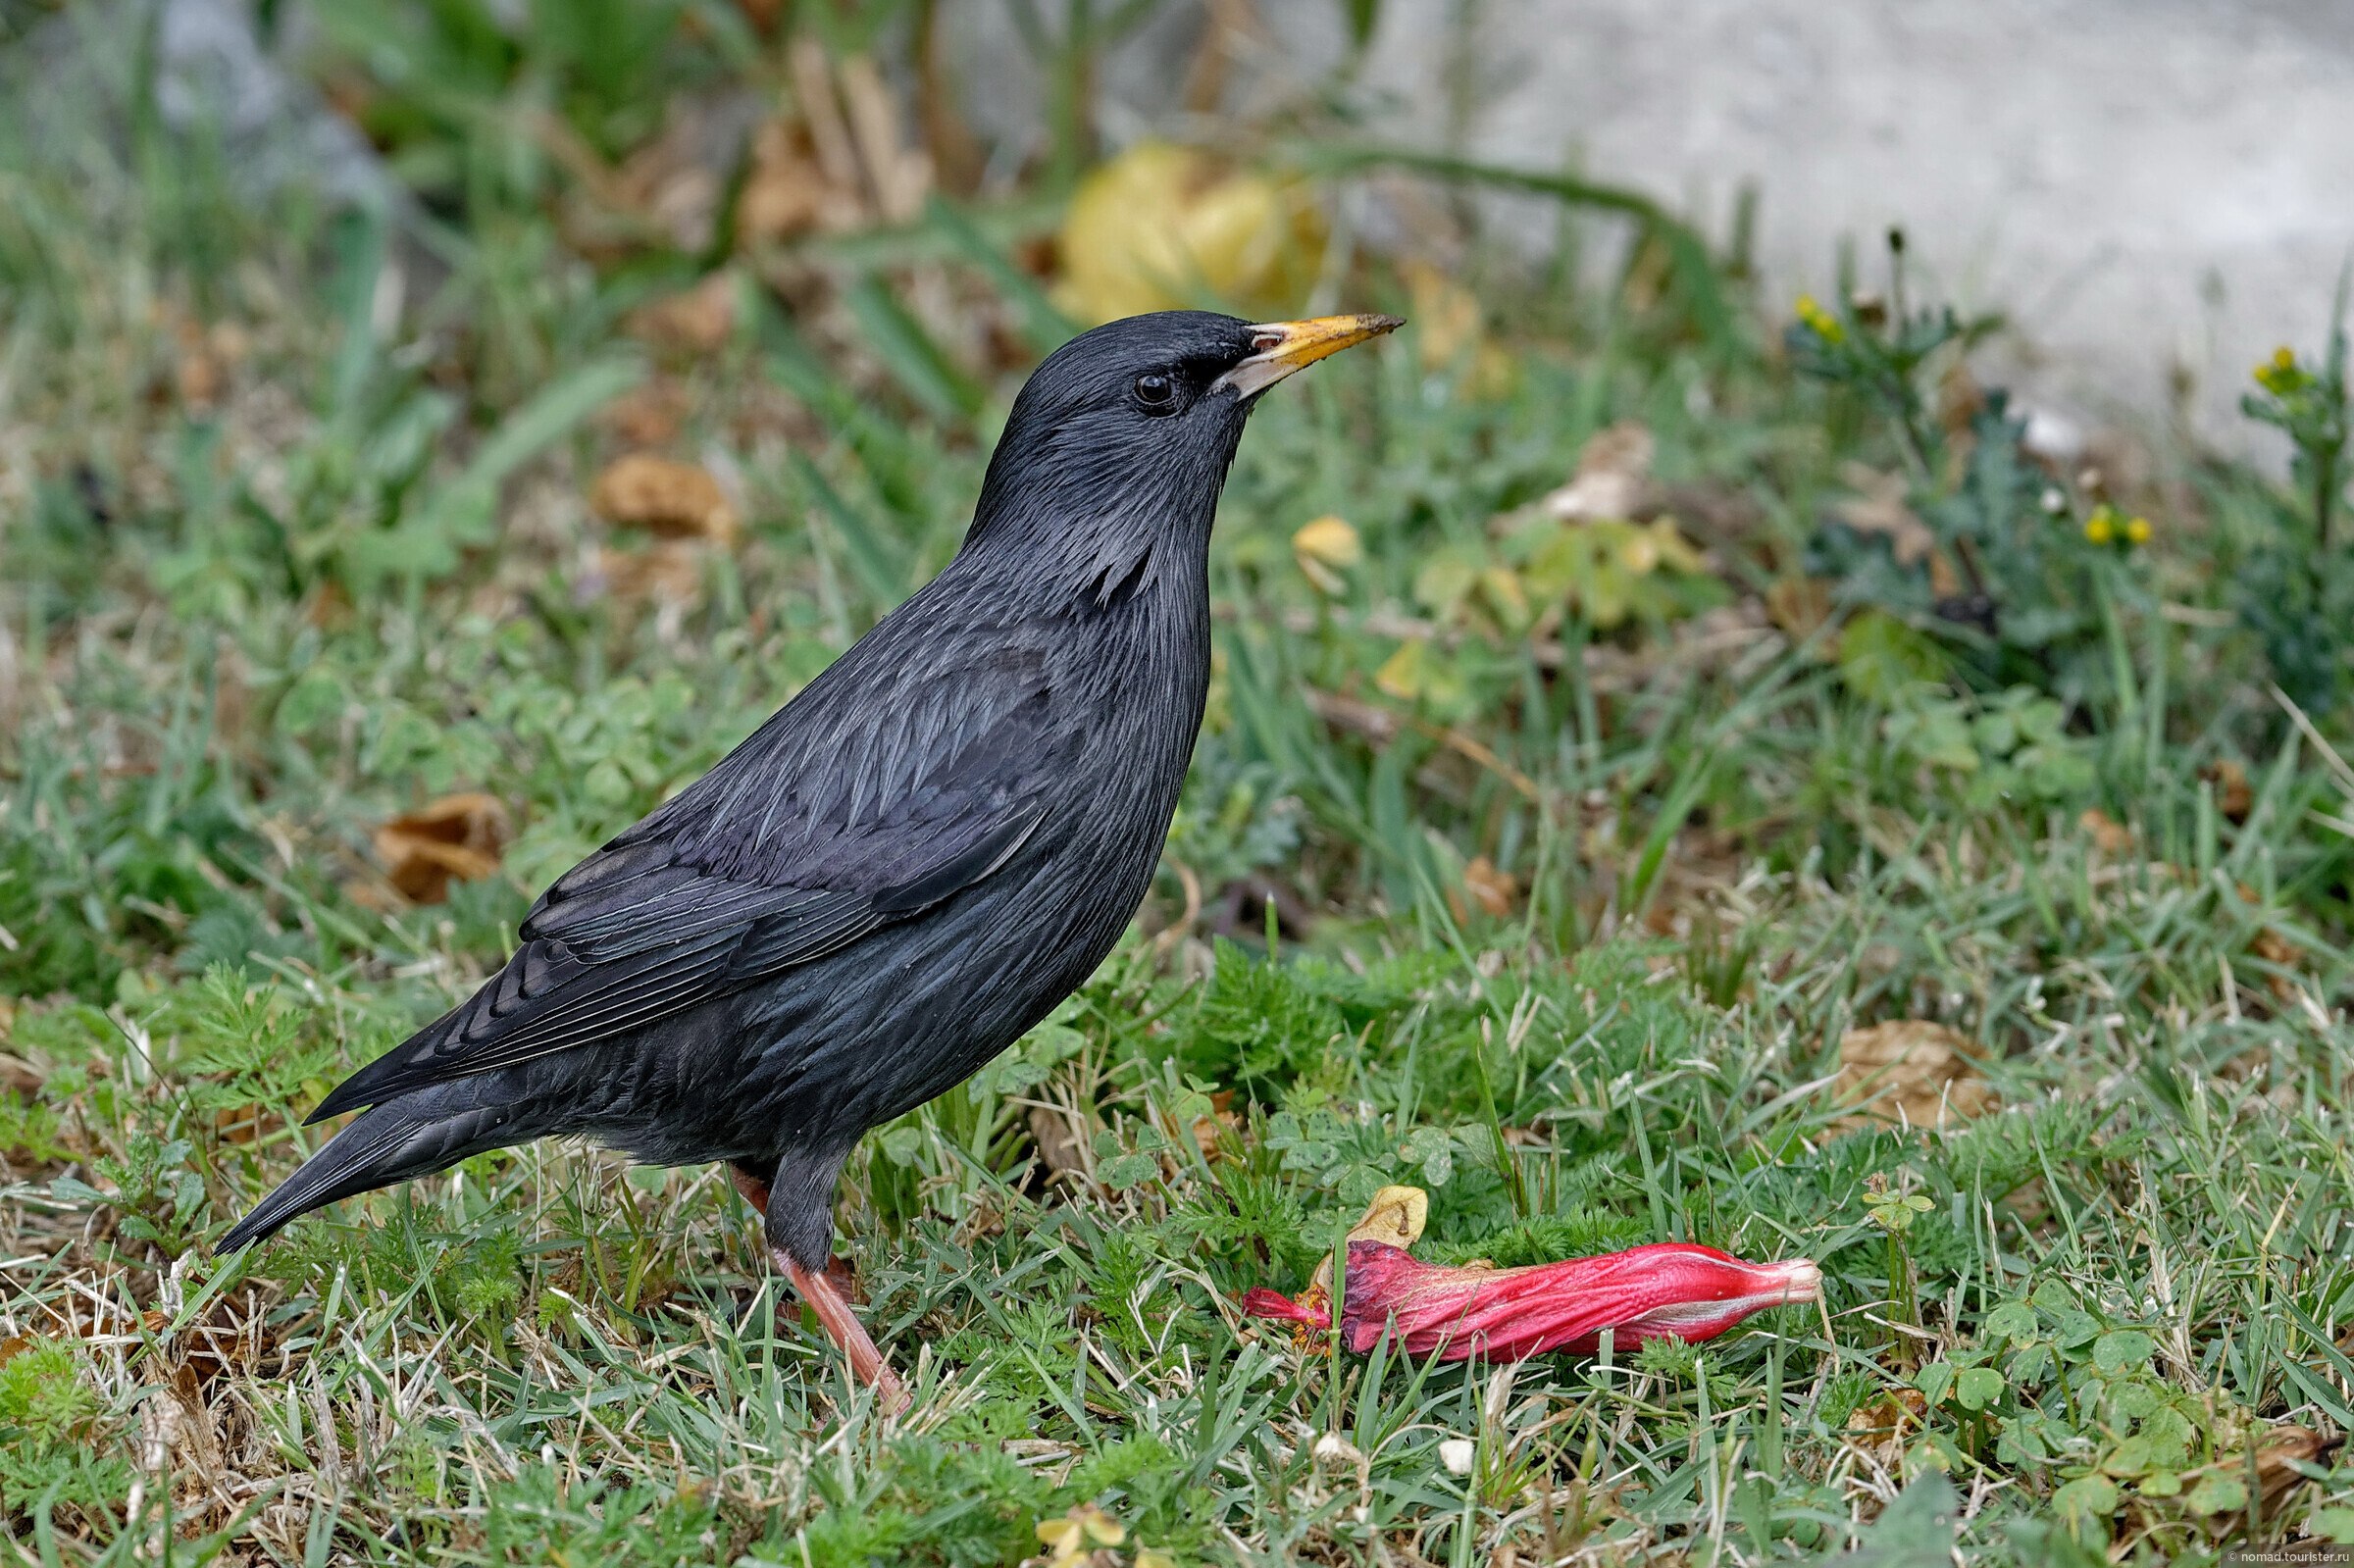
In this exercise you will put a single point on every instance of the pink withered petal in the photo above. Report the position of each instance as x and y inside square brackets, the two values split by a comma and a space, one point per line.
[1671, 1287]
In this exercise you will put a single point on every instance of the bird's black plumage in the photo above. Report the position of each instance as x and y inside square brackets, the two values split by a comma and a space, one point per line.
[903, 868]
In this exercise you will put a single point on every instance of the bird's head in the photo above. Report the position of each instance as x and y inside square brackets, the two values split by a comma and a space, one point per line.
[1133, 425]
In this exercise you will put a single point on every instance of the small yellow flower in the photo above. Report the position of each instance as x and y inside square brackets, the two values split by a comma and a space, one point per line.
[2281, 375]
[2101, 527]
[2137, 530]
[1820, 321]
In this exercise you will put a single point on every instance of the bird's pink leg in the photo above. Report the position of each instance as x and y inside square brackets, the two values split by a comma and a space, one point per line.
[834, 1311]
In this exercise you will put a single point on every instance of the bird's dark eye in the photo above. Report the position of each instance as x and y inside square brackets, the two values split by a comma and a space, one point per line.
[1158, 393]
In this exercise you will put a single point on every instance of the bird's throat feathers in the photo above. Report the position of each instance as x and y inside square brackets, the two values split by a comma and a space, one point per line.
[1094, 528]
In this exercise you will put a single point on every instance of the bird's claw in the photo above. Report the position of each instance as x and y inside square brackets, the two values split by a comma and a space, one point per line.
[841, 1323]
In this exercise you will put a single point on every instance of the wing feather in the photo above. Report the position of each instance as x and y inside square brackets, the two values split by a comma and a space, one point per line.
[835, 819]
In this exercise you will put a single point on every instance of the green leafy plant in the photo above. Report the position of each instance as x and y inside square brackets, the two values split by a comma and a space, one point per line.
[2299, 593]
[1977, 552]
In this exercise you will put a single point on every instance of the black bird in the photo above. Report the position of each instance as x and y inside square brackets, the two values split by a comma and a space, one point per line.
[906, 867]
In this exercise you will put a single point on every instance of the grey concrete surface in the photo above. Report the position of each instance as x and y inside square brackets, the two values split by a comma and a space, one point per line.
[2150, 188]
[2156, 191]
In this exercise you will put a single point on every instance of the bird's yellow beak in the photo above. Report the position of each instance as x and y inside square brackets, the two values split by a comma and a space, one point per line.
[1288, 347]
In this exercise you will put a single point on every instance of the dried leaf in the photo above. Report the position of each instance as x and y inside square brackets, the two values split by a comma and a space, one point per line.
[1403, 674]
[693, 321]
[1879, 508]
[1494, 891]
[2108, 834]
[650, 415]
[197, 377]
[1878, 1427]
[1324, 549]
[1161, 227]
[1799, 606]
[1062, 1147]
[669, 186]
[1920, 1069]
[2280, 1450]
[789, 191]
[674, 499]
[1394, 1217]
[1612, 480]
[1452, 335]
[457, 837]
[2234, 797]
[670, 572]
[899, 174]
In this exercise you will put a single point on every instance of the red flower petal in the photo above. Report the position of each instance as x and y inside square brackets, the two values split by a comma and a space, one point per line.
[1672, 1288]
[1307, 1311]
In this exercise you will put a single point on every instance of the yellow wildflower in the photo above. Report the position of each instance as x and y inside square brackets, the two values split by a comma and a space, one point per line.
[1822, 322]
[2101, 527]
[2281, 375]
[2137, 530]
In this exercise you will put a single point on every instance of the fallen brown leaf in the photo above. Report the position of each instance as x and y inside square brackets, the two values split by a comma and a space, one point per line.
[1909, 1065]
[2108, 834]
[1798, 606]
[1494, 891]
[1059, 1145]
[455, 838]
[670, 572]
[668, 185]
[197, 377]
[2275, 949]
[1612, 480]
[2280, 1450]
[897, 175]
[693, 321]
[789, 192]
[1878, 1428]
[1879, 507]
[674, 499]
[1209, 1131]
[2234, 797]
[650, 415]
[839, 166]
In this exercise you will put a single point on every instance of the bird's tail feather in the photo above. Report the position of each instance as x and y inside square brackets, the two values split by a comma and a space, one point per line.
[390, 1143]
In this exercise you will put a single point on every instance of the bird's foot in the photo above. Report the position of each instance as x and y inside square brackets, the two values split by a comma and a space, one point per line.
[831, 1302]
[841, 1326]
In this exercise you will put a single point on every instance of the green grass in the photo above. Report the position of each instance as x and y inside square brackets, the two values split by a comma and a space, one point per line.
[240, 631]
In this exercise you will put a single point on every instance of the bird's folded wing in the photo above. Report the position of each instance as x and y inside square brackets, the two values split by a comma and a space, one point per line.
[706, 896]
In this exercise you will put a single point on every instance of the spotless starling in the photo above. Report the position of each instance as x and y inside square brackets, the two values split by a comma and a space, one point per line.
[906, 867]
